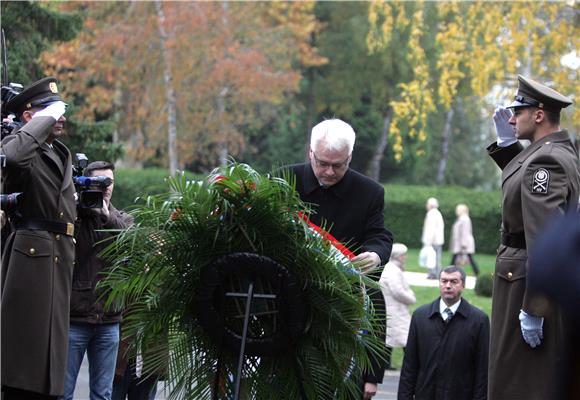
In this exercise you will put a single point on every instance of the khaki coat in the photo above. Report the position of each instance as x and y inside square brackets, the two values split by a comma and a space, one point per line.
[462, 241]
[37, 266]
[398, 297]
[517, 371]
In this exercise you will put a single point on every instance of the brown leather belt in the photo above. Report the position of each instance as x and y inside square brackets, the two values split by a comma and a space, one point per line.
[64, 228]
[516, 240]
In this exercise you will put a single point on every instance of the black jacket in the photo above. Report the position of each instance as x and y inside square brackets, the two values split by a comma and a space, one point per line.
[352, 211]
[446, 361]
[87, 303]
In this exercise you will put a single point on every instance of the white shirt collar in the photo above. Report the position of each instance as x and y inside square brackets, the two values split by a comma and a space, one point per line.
[443, 306]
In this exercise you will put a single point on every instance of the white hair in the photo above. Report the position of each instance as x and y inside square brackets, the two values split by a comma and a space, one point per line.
[335, 134]
[398, 250]
[432, 202]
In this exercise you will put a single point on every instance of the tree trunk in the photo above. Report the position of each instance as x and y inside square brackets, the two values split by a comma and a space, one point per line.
[445, 147]
[223, 149]
[169, 91]
[374, 169]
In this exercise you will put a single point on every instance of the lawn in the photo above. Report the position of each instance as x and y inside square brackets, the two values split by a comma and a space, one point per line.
[424, 295]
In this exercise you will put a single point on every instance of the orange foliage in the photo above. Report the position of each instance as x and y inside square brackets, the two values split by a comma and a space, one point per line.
[232, 63]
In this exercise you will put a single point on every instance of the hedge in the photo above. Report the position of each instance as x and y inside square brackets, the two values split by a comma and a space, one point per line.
[405, 212]
[131, 183]
[404, 205]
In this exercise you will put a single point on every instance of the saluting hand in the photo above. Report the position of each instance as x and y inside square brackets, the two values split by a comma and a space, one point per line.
[506, 133]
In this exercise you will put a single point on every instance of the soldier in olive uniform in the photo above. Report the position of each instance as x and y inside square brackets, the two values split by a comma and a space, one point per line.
[537, 182]
[38, 257]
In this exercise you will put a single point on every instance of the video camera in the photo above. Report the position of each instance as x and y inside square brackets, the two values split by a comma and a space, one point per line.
[89, 188]
[9, 91]
[7, 201]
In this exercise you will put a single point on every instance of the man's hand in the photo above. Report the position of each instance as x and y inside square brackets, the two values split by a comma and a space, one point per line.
[55, 110]
[367, 260]
[531, 328]
[506, 133]
[104, 211]
[370, 390]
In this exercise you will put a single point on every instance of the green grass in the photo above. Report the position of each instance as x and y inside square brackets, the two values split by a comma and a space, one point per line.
[425, 295]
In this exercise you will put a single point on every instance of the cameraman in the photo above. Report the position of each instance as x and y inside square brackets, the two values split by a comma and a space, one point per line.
[93, 328]
[37, 265]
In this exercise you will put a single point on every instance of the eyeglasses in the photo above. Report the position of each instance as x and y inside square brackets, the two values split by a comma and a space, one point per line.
[334, 166]
[526, 100]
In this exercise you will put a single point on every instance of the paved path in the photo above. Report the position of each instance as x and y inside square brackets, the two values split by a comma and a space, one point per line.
[420, 279]
[387, 391]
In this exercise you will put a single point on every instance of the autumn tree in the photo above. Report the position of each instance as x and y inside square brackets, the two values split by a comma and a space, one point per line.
[231, 65]
[478, 45]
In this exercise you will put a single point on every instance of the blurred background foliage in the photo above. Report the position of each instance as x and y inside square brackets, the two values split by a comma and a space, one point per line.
[184, 85]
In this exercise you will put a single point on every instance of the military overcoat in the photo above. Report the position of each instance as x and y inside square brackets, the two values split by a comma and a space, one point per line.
[37, 265]
[537, 182]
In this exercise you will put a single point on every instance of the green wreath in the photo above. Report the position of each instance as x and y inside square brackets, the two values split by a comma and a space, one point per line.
[157, 271]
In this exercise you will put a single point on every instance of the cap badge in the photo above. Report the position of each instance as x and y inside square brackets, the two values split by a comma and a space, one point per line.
[540, 181]
[52, 87]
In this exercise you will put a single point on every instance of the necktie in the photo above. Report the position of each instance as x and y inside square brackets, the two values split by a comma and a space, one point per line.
[449, 314]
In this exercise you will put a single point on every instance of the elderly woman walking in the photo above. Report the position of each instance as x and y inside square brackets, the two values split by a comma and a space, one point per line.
[462, 243]
[398, 296]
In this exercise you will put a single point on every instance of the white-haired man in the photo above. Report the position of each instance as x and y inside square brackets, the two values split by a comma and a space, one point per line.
[351, 204]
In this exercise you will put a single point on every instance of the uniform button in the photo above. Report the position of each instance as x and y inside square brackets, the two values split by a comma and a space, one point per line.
[61, 215]
[56, 259]
[32, 252]
[509, 275]
[57, 237]
[74, 241]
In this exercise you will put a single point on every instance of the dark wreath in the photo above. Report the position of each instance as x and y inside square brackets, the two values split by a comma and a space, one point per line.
[177, 272]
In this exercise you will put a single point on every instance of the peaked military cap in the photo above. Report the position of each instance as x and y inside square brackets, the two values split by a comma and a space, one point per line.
[40, 94]
[534, 94]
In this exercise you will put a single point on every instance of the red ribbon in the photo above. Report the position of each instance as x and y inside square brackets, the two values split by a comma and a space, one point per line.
[327, 236]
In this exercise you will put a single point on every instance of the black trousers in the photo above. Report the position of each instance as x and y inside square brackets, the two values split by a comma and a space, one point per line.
[10, 393]
[471, 261]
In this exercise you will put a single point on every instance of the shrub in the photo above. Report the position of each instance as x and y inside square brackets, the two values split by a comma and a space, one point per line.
[405, 212]
[131, 183]
[484, 285]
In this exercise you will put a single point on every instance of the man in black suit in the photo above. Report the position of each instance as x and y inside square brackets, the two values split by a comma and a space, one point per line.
[349, 205]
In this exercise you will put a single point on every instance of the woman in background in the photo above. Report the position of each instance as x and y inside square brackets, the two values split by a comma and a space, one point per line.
[398, 296]
[462, 243]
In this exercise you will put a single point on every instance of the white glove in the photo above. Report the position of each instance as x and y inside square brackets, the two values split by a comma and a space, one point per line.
[531, 328]
[55, 110]
[506, 133]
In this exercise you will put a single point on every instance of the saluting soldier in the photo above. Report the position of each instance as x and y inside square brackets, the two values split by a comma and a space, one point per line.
[537, 182]
[38, 259]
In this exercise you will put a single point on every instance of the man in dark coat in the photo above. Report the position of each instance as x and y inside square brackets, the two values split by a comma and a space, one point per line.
[350, 206]
[37, 263]
[447, 349]
[537, 182]
[94, 328]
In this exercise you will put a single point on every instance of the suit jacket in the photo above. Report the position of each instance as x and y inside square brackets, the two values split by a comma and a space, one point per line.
[446, 361]
[537, 182]
[37, 266]
[352, 211]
